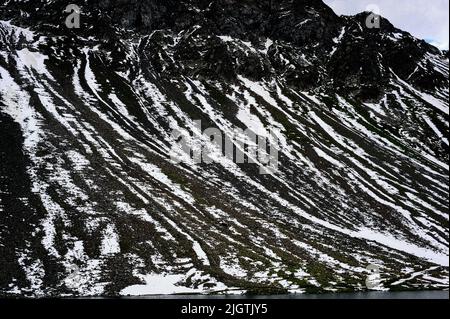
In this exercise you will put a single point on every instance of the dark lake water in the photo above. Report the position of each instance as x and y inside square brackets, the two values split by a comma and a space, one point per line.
[356, 295]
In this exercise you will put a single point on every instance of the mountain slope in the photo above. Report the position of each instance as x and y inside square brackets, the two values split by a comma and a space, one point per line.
[91, 202]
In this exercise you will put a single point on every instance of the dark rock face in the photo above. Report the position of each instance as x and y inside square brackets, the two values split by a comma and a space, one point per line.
[360, 65]
[91, 204]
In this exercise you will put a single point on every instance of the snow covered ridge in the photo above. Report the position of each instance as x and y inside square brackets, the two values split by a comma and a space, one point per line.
[93, 202]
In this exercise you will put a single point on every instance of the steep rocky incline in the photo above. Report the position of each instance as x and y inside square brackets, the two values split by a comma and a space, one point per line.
[92, 204]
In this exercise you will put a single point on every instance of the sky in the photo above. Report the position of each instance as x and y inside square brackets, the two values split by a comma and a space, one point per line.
[425, 19]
